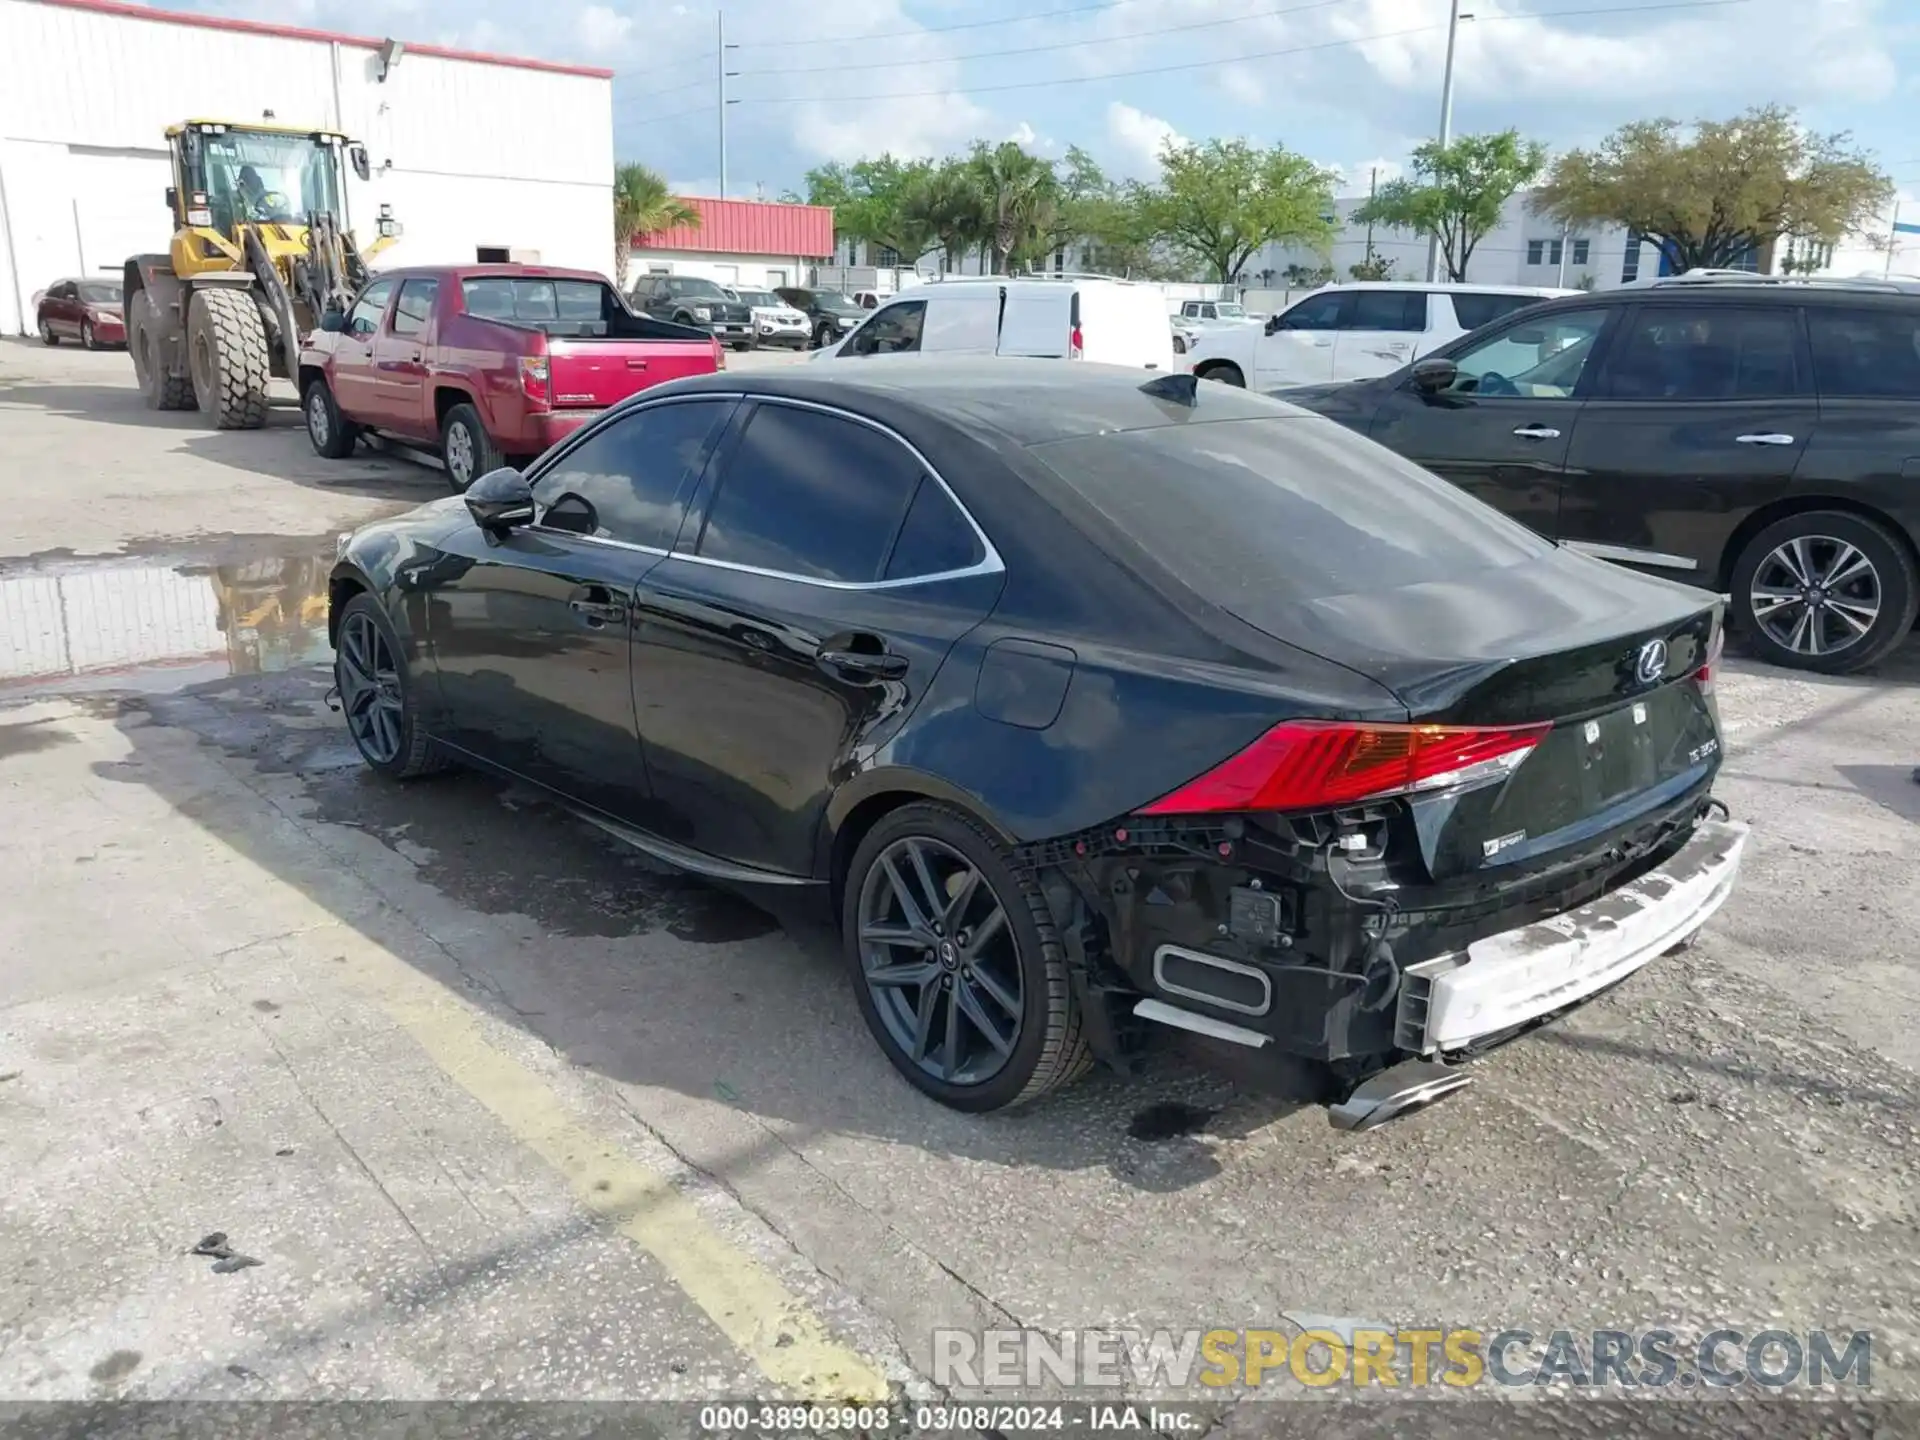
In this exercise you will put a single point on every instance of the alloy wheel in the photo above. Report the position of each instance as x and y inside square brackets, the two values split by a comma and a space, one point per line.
[369, 680]
[460, 456]
[940, 962]
[318, 426]
[1815, 595]
[86, 335]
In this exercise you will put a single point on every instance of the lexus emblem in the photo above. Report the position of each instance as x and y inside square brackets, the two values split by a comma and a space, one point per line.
[1651, 663]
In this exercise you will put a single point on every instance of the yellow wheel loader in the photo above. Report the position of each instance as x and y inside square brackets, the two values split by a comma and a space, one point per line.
[260, 251]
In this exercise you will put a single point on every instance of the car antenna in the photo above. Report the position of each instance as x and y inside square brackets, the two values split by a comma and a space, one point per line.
[1180, 389]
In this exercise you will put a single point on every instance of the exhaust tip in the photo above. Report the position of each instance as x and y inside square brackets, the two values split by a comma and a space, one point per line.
[1411, 1085]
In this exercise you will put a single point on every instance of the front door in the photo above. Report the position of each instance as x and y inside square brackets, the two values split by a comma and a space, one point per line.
[1501, 431]
[1699, 418]
[1297, 349]
[532, 643]
[805, 619]
[401, 403]
[352, 373]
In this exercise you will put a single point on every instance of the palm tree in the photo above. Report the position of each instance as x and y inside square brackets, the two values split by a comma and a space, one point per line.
[947, 204]
[1019, 191]
[642, 206]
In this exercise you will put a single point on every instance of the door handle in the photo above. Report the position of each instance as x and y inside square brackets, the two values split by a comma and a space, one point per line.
[1767, 439]
[1537, 432]
[597, 607]
[636, 364]
[863, 664]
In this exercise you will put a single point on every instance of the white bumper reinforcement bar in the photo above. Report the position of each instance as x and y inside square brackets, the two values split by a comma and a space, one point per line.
[1508, 979]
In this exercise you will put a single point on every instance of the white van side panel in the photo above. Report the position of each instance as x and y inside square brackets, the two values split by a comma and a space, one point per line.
[960, 323]
[1125, 325]
[1037, 321]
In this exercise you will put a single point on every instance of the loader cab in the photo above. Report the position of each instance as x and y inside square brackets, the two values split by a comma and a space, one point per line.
[231, 175]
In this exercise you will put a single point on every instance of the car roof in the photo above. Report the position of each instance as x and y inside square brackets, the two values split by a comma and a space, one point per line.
[480, 271]
[1761, 291]
[1445, 287]
[1026, 401]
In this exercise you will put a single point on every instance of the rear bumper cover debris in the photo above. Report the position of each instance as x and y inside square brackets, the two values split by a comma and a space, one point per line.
[1509, 979]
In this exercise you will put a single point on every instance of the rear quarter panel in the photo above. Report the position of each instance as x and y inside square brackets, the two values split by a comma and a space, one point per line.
[481, 360]
[1865, 455]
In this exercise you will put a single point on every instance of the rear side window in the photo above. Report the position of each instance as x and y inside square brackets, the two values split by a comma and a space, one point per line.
[629, 481]
[1473, 311]
[1705, 352]
[935, 538]
[1873, 354]
[1246, 512]
[812, 495]
[1386, 310]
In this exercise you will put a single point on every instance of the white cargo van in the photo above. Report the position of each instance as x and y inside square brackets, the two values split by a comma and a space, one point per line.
[1065, 317]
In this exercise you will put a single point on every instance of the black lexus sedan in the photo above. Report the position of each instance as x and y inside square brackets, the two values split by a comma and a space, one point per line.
[1086, 705]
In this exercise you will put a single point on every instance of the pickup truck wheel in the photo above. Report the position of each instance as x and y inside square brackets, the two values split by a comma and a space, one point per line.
[467, 449]
[1224, 372]
[332, 434]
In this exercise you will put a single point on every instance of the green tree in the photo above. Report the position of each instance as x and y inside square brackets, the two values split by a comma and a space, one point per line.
[1307, 277]
[873, 200]
[1220, 201]
[1374, 267]
[1732, 185]
[948, 204]
[1020, 197]
[642, 205]
[1457, 192]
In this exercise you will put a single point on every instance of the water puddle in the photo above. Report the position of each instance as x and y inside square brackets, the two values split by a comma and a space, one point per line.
[156, 625]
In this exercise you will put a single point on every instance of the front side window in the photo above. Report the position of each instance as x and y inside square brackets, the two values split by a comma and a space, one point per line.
[1871, 354]
[364, 318]
[892, 331]
[410, 314]
[1704, 352]
[630, 481]
[1386, 310]
[1539, 361]
[1317, 312]
[811, 495]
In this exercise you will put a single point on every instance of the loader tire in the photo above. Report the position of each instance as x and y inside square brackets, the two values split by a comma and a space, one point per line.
[160, 389]
[227, 355]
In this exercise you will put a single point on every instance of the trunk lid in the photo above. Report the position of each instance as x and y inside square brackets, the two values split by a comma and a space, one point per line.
[593, 374]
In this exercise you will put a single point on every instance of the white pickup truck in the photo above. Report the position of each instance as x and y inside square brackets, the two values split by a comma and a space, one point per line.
[1350, 332]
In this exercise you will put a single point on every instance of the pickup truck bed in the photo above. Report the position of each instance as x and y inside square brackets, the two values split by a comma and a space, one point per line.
[485, 364]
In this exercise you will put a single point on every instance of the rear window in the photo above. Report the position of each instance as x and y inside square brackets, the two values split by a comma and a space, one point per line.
[496, 297]
[1292, 509]
[1473, 311]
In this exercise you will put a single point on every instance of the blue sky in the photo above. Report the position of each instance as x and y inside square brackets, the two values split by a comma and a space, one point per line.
[1351, 83]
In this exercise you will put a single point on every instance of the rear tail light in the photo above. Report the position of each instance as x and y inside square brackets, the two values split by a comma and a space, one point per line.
[1315, 764]
[1703, 677]
[534, 377]
[1076, 347]
[719, 356]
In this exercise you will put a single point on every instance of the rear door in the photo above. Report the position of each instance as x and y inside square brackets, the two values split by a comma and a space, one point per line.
[1699, 417]
[1501, 431]
[1380, 331]
[803, 614]
[1122, 324]
[1298, 347]
[352, 372]
[399, 385]
[1037, 319]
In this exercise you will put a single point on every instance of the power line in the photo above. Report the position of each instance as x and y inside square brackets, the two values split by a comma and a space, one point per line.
[671, 115]
[1058, 80]
[1056, 45]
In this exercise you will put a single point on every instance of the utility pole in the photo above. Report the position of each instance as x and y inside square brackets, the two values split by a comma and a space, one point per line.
[1373, 189]
[1893, 241]
[722, 73]
[1446, 125]
[1565, 232]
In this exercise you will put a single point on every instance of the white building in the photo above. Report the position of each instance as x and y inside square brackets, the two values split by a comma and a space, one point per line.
[479, 156]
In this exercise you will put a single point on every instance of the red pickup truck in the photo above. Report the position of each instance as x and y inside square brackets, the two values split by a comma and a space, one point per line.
[486, 364]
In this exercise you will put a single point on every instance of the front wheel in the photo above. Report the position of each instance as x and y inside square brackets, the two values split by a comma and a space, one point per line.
[957, 967]
[822, 337]
[47, 337]
[1825, 591]
[87, 342]
[331, 433]
[466, 448]
[376, 694]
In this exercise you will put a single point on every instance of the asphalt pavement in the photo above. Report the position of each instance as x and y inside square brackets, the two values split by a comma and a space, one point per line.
[502, 1110]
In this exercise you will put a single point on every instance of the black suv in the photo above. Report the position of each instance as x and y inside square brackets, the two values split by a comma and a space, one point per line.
[1759, 437]
[690, 300]
[830, 313]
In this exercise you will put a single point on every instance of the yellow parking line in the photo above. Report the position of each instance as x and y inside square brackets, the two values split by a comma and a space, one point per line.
[749, 1304]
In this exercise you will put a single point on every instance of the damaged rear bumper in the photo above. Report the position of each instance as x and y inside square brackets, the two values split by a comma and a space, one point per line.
[1504, 981]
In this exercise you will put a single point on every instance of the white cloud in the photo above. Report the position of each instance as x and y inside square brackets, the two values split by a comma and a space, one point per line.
[602, 29]
[1354, 179]
[1139, 137]
[1241, 84]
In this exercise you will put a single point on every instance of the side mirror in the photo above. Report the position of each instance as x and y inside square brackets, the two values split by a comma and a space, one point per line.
[173, 199]
[333, 321]
[1434, 374]
[1273, 324]
[500, 499]
[357, 157]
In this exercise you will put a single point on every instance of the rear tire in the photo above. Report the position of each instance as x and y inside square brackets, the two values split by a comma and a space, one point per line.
[331, 433]
[1223, 371]
[1857, 571]
[228, 359]
[160, 390]
[377, 696]
[466, 449]
[985, 901]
